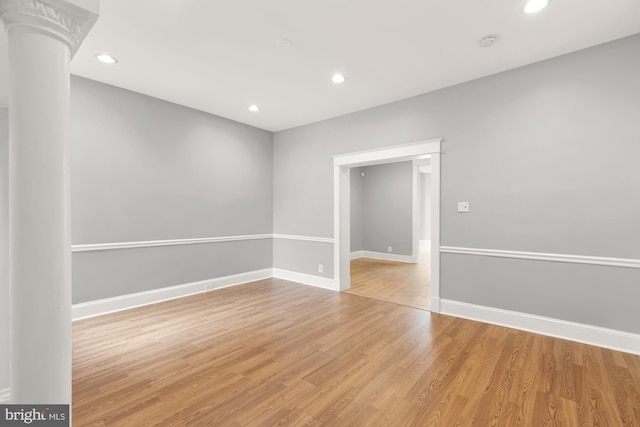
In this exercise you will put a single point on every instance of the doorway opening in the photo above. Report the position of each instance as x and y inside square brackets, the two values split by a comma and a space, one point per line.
[384, 264]
[417, 153]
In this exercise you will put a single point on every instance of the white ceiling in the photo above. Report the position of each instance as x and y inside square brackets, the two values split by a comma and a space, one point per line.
[220, 56]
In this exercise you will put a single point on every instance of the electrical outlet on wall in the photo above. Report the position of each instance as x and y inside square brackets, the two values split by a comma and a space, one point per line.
[320, 268]
[389, 249]
[463, 207]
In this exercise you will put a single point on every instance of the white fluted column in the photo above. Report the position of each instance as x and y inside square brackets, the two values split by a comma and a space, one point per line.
[42, 37]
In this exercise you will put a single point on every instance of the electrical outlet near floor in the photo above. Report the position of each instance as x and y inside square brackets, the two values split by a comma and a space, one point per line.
[389, 249]
[320, 268]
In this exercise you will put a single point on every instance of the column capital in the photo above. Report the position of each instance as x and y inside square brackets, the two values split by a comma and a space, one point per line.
[66, 20]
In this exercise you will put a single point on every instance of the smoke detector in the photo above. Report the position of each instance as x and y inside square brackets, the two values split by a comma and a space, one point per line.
[488, 41]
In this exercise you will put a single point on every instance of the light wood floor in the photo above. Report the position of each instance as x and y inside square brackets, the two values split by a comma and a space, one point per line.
[397, 282]
[277, 353]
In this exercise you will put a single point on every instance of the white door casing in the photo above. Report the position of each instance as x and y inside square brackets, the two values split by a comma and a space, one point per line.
[342, 165]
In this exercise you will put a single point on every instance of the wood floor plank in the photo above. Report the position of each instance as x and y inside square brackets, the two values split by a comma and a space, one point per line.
[277, 353]
[398, 282]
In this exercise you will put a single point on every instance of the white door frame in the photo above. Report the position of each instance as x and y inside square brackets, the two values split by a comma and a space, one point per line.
[342, 165]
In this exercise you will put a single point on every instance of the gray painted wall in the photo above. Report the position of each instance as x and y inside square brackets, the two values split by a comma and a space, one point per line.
[144, 169]
[381, 208]
[546, 155]
[303, 256]
[590, 294]
[4, 248]
[98, 275]
[357, 218]
[425, 206]
[387, 208]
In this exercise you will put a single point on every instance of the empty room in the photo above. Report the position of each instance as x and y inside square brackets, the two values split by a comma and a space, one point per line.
[251, 213]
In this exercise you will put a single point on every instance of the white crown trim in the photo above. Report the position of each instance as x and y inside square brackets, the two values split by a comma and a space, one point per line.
[305, 238]
[173, 242]
[541, 256]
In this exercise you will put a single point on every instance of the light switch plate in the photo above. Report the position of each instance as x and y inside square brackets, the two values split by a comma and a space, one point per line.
[463, 207]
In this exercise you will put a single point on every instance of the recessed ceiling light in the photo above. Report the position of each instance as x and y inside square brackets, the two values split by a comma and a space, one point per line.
[338, 78]
[488, 41]
[106, 58]
[534, 6]
[254, 108]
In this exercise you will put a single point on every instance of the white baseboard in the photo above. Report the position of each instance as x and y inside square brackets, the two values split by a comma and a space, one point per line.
[357, 254]
[5, 395]
[139, 299]
[386, 256]
[124, 302]
[435, 306]
[237, 279]
[579, 332]
[306, 279]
